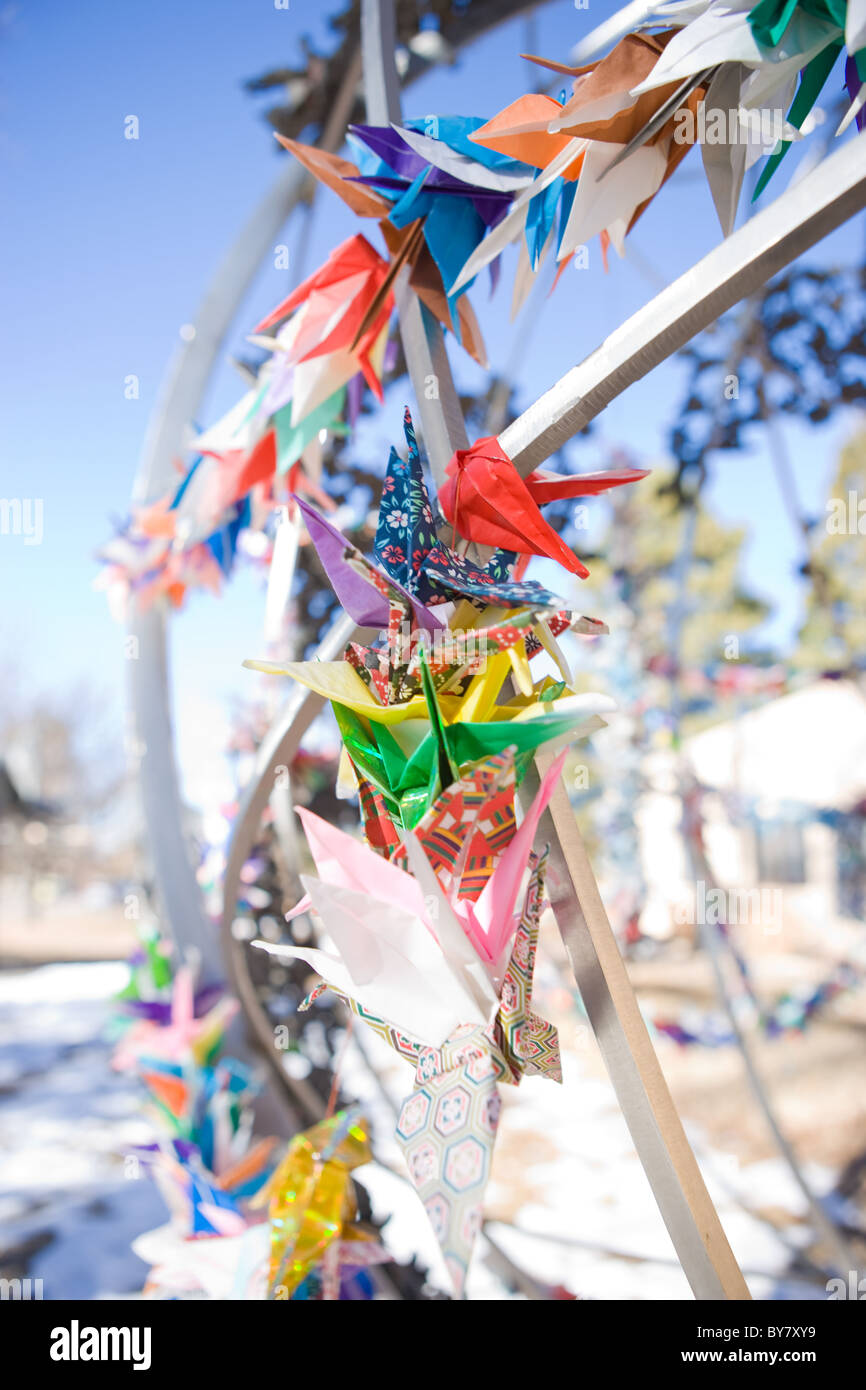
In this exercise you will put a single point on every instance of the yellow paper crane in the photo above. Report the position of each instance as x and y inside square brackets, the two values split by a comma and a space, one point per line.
[312, 1207]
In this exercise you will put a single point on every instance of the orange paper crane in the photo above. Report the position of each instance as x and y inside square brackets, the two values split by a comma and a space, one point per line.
[488, 502]
[535, 128]
[599, 108]
[237, 472]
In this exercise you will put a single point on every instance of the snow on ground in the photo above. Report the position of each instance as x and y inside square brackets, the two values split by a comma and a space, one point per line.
[568, 1200]
[68, 1212]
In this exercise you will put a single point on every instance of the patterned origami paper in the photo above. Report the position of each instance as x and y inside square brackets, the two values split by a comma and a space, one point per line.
[468, 827]
[312, 1209]
[447, 1126]
[393, 671]
[429, 954]
[490, 503]
[424, 958]
[364, 591]
[418, 566]
[466, 661]
[462, 833]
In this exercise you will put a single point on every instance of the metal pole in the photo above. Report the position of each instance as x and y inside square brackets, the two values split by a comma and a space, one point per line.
[814, 207]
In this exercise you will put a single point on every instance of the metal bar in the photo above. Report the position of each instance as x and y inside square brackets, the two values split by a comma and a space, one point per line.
[442, 424]
[636, 1076]
[814, 207]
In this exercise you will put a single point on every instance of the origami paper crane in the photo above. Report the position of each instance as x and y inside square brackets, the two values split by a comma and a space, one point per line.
[432, 961]
[567, 202]
[204, 1105]
[416, 171]
[312, 1208]
[631, 148]
[417, 566]
[405, 245]
[150, 975]
[463, 832]
[490, 503]
[384, 681]
[410, 773]
[202, 1099]
[636, 112]
[144, 571]
[183, 1035]
[435, 195]
[409, 550]
[365, 592]
[147, 995]
[775, 44]
[468, 827]
[425, 959]
[200, 1203]
[392, 671]
[447, 1126]
[219, 1268]
[332, 305]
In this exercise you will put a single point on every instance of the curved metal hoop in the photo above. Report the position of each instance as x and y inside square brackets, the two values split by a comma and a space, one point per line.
[149, 697]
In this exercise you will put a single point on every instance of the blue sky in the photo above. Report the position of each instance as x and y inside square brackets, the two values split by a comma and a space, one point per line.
[108, 245]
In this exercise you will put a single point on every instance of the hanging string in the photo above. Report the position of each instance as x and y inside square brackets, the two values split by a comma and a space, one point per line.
[338, 1068]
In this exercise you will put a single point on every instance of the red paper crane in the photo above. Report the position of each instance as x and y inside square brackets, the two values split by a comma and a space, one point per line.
[488, 502]
[336, 301]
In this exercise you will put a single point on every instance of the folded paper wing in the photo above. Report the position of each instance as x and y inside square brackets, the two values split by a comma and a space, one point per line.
[354, 579]
[408, 548]
[388, 960]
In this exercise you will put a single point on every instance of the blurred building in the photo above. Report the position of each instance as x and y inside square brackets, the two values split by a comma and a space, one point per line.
[783, 811]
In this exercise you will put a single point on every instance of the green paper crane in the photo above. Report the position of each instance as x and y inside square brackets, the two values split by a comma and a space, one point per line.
[411, 784]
